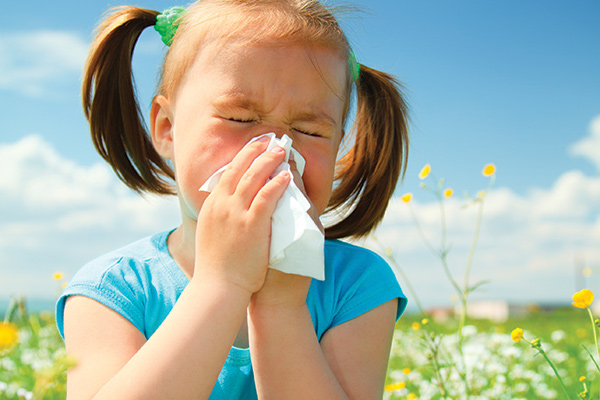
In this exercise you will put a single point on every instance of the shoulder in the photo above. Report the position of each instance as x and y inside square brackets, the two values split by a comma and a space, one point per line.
[338, 251]
[122, 279]
[356, 281]
[127, 265]
[349, 264]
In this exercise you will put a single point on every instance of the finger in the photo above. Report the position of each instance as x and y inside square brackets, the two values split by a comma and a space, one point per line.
[258, 174]
[266, 199]
[240, 163]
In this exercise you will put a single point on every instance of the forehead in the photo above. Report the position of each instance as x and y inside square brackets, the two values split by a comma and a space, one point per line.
[268, 67]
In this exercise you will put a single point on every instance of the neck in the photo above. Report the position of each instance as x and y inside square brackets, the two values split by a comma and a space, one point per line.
[181, 245]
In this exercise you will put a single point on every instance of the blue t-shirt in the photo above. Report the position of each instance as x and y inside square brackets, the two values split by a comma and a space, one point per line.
[142, 282]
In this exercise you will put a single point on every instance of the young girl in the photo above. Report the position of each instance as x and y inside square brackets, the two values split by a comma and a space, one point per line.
[196, 312]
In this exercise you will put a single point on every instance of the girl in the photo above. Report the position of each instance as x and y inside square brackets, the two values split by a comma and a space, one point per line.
[196, 312]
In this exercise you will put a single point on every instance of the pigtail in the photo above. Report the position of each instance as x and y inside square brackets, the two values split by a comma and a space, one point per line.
[368, 173]
[111, 107]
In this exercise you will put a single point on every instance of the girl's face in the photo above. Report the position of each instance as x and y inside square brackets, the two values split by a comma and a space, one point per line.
[233, 93]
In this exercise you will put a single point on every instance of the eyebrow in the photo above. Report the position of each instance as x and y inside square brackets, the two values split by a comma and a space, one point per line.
[315, 116]
[241, 102]
[235, 102]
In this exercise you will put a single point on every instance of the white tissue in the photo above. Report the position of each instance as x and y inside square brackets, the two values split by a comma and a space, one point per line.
[297, 244]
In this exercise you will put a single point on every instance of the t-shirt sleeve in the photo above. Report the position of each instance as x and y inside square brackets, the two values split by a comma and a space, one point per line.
[111, 284]
[365, 281]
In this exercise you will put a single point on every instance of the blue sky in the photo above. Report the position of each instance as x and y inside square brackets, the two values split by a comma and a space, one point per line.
[515, 83]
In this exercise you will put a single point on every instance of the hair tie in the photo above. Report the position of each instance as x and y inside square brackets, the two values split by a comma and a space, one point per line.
[354, 67]
[167, 23]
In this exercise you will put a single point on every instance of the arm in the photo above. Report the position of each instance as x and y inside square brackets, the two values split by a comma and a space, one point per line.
[181, 360]
[289, 363]
[357, 351]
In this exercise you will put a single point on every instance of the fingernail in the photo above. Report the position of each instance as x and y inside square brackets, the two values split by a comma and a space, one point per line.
[263, 139]
[278, 149]
[291, 156]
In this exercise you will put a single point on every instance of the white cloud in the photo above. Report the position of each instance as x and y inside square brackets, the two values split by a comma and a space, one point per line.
[528, 245]
[31, 62]
[56, 215]
[589, 146]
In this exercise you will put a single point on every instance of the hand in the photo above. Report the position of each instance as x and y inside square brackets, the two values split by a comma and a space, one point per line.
[234, 224]
[281, 289]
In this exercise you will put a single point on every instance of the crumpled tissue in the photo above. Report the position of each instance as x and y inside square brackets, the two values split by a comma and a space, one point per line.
[297, 243]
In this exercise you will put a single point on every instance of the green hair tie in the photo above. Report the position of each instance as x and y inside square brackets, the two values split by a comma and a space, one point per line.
[354, 67]
[167, 23]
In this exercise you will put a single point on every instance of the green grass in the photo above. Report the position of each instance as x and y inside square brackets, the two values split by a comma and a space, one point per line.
[498, 368]
[35, 367]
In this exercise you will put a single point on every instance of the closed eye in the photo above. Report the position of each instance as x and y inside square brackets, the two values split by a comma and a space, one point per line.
[306, 132]
[240, 120]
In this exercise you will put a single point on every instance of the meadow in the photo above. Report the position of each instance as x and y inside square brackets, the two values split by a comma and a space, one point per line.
[33, 362]
[426, 360]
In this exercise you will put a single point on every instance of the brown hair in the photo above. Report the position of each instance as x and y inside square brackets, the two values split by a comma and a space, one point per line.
[366, 175]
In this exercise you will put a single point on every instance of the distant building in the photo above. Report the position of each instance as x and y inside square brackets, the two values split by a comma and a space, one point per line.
[498, 310]
[494, 310]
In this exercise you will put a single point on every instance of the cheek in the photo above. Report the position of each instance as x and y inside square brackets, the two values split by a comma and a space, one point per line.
[191, 166]
[318, 180]
[197, 157]
[194, 164]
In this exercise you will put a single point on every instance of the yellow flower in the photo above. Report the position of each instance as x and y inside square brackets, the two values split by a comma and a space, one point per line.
[407, 197]
[425, 321]
[584, 394]
[489, 170]
[583, 298]
[8, 335]
[481, 194]
[425, 172]
[448, 193]
[581, 378]
[406, 371]
[58, 276]
[536, 343]
[395, 386]
[517, 334]
[416, 326]
[411, 396]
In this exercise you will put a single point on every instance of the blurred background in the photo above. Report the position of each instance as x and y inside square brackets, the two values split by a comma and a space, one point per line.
[506, 82]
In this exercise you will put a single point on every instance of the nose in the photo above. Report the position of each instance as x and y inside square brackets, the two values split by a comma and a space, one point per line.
[287, 143]
[277, 130]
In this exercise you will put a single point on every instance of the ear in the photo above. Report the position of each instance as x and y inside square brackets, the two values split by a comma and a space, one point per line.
[161, 126]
